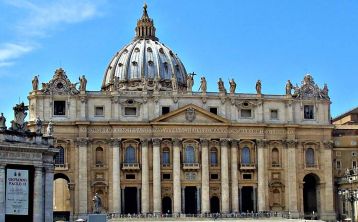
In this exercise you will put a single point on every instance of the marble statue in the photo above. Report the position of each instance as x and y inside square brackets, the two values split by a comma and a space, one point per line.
[325, 90]
[203, 85]
[97, 202]
[232, 86]
[190, 81]
[156, 84]
[35, 83]
[38, 124]
[2, 122]
[221, 86]
[83, 83]
[49, 128]
[289, 87]
[258, 87]
[174, 83]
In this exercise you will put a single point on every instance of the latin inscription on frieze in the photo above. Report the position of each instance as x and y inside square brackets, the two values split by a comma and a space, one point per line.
[20, 155]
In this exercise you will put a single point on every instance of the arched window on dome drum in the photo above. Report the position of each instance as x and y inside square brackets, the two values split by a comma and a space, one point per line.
[189, 154]
[245, 156]
[275, 158]
[99, 156]
[130, 155]
[310, 157]
[60, 156]
[213, 157]
[166, 157]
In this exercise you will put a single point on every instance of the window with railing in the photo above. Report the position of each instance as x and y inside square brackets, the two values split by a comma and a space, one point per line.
[275, 156]
[310, 159]
[129, 156]
[245, 156]
[99, 157]
[213, 157]
[189, 154]
[166, 157]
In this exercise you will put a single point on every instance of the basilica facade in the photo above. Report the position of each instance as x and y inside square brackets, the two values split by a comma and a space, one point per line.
[147, 143]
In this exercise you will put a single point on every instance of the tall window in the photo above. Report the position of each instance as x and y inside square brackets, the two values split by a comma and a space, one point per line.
[245, 156]
[213, 157]
[99, 155]
[130, 155]
[166, 156]
[59, 108]
[189, 154]
[60, 156]
[310, 157]
[308, 112]
[275, 157]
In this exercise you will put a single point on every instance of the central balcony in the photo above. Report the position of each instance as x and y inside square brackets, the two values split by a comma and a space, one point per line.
[191, 166]
[130, 166]
[247, 166]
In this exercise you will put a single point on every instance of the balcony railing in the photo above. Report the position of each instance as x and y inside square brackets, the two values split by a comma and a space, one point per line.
[99, 165]
[63, 166]
[311, 165]
[191, 166]
[276, 165]
[166, 165]
[130, 166]
[247, 166]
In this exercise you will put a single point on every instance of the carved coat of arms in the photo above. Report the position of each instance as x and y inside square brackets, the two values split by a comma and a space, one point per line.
[190, 114]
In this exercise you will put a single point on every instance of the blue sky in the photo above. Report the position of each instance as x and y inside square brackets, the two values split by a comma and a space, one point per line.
[270, 40]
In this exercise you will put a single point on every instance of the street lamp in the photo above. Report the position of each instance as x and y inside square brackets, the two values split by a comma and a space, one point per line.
[349, 195]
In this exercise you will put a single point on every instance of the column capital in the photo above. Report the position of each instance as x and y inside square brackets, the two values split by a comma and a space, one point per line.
[49, 169]
[261, 143]
[115, 141]
[144, 141]
[39, 169]
[224, 141]
[71, 186]
[156, 141]
[177, 141]
[291, 143]
[328, 144]
[204, 141]
[82, 141]
[235, 142]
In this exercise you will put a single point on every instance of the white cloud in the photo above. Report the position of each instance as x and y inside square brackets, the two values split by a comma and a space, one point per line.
[42, 18]
[11, 51]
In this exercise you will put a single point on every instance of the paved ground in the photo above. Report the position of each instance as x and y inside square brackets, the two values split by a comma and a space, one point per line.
[274, 219]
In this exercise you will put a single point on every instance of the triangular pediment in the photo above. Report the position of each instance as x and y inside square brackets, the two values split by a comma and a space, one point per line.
[190, 114]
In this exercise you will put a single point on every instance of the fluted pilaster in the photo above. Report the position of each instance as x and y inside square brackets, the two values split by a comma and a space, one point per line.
[176, 177]
[145, 177]
[234, 181]
[205, 208]
[224, 177]
[157, 200]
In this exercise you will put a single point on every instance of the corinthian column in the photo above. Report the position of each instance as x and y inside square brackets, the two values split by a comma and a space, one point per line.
[291, 177]
[38, 214]
[205, 208]
[234, 182]
[156, 177]
[176, 177]
[49, 193]
[116, 183]
[2, 193]
[224, 177]
[145, 177]
[261, 175]
[82, 175]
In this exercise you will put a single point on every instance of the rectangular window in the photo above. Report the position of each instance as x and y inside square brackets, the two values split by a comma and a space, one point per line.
[130, 111]
[166, 176]
[59, 108]
[338, 165]
[247, 176]
[246, 113]
[308, 112]
[165, 110]
[214, 176]
[354, 164]
[214, 110]
[130, 176]
[99, 111]
[338, 153]
[274, 114]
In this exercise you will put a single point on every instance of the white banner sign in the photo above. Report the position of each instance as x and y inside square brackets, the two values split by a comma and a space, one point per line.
[17, 192]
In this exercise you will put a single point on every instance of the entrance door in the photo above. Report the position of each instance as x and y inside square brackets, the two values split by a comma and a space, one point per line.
[167, 205]
[310, 194]
[130, 200]
[214, 205]
[247, 199]
[190, 200]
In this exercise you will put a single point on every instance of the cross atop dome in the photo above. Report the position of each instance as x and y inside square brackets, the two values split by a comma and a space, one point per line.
[145, 26]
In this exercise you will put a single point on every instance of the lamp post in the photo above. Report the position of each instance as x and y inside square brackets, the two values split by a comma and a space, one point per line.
[349, 195]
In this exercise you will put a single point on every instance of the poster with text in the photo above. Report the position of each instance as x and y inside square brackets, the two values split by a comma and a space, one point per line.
[17, 192]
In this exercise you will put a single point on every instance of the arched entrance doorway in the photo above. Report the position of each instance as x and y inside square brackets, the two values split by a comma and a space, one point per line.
[167, 205]
[130, 200]
[310, 194]
[190, 200]
[214, 205]
[247, 199]
[61, 197]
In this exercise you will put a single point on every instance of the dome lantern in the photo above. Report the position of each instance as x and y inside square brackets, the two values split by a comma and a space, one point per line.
[145, 27]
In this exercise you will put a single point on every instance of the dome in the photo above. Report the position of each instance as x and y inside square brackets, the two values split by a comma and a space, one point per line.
[145, 63]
